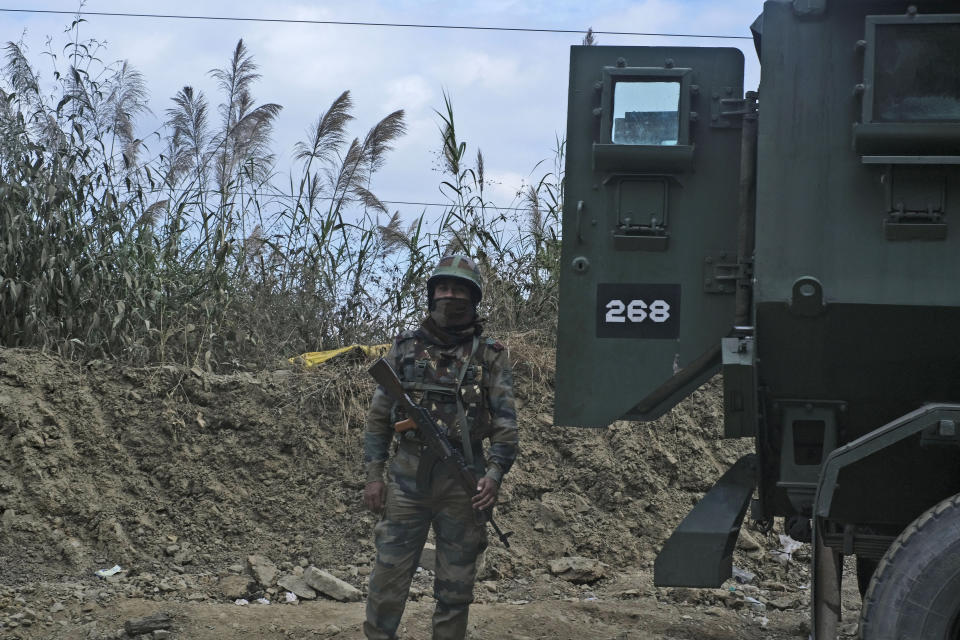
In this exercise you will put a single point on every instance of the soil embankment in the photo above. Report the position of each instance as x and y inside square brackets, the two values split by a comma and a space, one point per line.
[179, 475]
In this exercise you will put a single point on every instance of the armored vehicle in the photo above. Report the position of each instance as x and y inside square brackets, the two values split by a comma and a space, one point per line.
[804, 240]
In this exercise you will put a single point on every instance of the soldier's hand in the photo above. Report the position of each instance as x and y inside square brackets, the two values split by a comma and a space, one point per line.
[374, 496]
[487, 489]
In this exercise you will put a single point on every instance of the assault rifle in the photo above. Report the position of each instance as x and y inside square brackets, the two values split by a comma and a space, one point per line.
[436, 440]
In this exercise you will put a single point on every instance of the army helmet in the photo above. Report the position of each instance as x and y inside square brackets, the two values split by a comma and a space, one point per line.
[460, 267]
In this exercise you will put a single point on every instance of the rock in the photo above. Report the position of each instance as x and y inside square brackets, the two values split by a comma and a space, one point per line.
[297, 586]
[578, 570]
[850, 629]
[56, 607]
[428, 557]
[263, 570]
[786, 602]
[162, 633]
[330, 585]
[747, 542]
[580, 504]
[731, 601]
[235, 568]
[234, 587]
[172, 584]
[148, 624]
[773, 585]
[184, 556]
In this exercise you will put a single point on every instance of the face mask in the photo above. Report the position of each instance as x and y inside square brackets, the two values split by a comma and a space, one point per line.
[452, 312]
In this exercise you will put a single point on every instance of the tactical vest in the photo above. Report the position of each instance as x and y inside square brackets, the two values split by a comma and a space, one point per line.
[432, 374]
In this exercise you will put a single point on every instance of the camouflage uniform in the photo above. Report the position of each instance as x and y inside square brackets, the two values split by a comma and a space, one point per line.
[430, 372]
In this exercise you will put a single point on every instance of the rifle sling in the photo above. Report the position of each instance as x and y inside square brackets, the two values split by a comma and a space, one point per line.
[461, 413]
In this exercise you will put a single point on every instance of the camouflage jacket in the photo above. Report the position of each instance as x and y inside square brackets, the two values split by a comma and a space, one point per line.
[430, 373]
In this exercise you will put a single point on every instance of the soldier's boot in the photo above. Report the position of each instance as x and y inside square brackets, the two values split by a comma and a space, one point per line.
[450, 620]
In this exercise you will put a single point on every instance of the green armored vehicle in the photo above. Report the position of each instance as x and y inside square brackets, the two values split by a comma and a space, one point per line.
[803, 239]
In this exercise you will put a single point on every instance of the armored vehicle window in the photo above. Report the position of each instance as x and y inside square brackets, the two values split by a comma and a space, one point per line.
[914, 79]
[646, 112]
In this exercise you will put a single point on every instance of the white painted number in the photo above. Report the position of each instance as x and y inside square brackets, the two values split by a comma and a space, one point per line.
[637, 311]
[659, 311]
[614, 309]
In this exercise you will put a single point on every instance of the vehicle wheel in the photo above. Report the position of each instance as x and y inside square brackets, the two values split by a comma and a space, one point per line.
[915, 590]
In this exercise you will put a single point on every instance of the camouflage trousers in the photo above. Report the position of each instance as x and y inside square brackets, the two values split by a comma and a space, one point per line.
[400, 535]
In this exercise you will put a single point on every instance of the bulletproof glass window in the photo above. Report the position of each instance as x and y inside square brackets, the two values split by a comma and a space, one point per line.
[646, 112]
[914, 73]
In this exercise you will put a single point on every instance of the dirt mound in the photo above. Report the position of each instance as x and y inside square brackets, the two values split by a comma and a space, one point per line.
[117, 465]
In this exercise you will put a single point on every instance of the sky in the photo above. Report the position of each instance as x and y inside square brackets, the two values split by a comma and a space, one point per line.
[509, 89]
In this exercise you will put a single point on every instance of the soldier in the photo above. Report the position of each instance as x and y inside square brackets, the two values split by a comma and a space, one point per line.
[465, 381]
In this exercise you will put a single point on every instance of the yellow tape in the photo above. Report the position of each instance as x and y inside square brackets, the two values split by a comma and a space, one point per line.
[315, 358]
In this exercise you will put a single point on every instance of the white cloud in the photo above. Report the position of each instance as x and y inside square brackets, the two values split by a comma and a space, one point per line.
[412, 93]
[498, 74]
[503, 187]
[508, 89]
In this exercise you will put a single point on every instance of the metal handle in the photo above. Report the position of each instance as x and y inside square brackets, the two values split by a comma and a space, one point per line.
[580, 207]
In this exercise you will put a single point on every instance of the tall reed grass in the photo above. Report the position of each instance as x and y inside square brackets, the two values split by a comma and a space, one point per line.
[198, 252]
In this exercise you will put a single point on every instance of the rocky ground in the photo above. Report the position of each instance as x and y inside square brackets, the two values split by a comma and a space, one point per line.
[228, 506]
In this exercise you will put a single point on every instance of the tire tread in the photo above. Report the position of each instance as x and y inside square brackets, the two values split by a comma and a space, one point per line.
[882, 574]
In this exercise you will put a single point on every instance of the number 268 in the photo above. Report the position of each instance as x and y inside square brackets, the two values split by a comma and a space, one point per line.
[637, 311]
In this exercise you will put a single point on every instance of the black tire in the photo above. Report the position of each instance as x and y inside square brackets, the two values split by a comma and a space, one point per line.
[915, 590]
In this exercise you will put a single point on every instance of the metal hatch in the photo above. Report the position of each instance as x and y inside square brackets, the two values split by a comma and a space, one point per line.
[649, 228]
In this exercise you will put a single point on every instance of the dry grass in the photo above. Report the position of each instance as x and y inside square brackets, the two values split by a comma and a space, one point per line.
[195, 257]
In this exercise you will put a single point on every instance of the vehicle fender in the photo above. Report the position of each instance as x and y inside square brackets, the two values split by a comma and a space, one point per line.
[938, 420]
